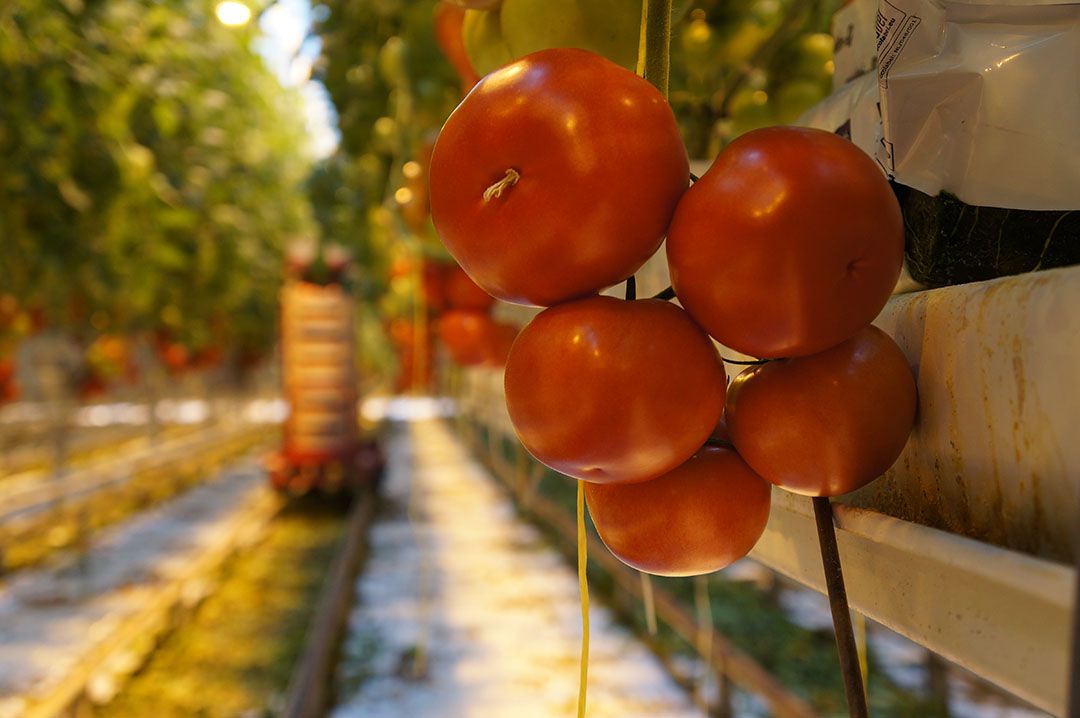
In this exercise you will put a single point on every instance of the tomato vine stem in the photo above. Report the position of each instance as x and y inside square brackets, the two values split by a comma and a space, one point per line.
[656, 28]
[746, 362]
[664, 294]
[841, 613]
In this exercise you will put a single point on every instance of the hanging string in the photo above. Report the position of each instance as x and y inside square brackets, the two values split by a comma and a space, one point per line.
[583, 582]
[649, 602]
[705, 630]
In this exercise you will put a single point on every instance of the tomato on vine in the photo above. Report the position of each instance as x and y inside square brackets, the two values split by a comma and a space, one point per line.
[698, 518]
[557, 176]
[613, 391]
[788, 245]
[826, 424]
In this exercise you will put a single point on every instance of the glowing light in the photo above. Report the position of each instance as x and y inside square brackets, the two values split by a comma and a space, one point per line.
[233, 13]
[402, 408]
[412, 170]
[403, 196]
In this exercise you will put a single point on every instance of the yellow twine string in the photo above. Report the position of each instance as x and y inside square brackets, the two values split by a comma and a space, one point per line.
[860, 642]
[583, 557]
[650, 603]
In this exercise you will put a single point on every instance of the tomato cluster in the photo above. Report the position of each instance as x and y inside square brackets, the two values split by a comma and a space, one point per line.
[558, 176]
[458, 312]
[467, 330]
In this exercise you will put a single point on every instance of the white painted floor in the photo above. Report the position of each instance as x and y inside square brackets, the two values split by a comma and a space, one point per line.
[454, 576]
[54, 618]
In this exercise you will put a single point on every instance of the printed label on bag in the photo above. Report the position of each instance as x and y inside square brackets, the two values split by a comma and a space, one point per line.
[894, 29]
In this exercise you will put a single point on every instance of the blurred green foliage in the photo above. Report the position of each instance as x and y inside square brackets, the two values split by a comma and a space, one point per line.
[151, 171]
[392, 89]
[742, 64]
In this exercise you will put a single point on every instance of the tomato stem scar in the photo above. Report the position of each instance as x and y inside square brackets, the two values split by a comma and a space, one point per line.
[509, 180]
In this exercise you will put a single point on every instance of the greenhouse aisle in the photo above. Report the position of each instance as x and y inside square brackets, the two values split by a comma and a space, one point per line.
[463, 610]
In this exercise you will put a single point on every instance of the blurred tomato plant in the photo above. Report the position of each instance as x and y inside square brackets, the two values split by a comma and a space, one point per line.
[151, 172]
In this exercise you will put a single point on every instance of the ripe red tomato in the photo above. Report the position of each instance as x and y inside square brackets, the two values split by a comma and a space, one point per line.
[176, 358]
[789, 244]
[463, 293]
[449, 18]
[698, 518]
[826, 424]
[466, 334]
[612, 391]
[592, 167]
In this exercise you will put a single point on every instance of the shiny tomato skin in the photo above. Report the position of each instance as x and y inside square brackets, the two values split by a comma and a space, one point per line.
[790, 243]
[698, 518]
[612, 391]
[601, 168]
[826, 424]
[463, 293]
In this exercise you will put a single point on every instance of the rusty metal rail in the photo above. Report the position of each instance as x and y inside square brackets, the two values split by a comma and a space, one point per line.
[725, 660]
[310, 689]
[40, 493]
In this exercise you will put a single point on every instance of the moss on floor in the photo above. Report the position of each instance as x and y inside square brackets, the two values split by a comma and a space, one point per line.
[236, 655]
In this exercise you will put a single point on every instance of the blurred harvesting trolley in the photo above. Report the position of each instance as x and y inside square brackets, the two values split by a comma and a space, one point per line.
[322, 447]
